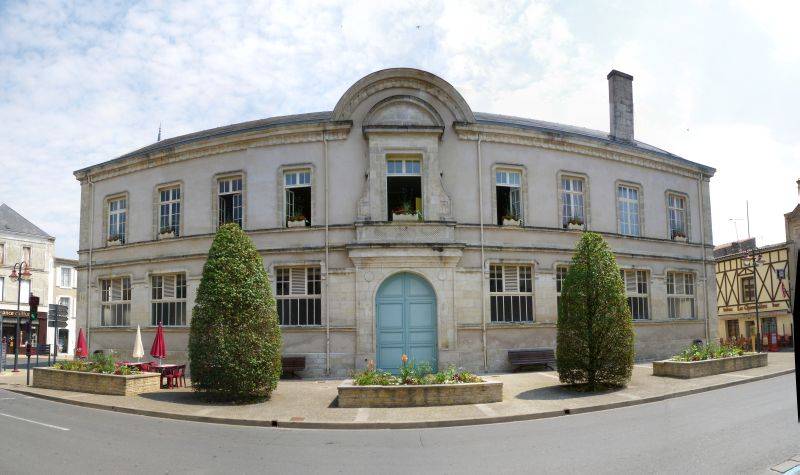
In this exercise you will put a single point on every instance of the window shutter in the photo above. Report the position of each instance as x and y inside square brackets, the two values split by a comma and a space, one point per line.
[298, 281]
[168, 286]
[510, 279]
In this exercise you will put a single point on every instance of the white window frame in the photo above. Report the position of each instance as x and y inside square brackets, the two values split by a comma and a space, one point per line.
[408, 166]
[296, 178]
[168, 297]
[69, 303]
[638, 301]
[572, 202]
[673, 211]
[680, 291]
[629, 209]
[226, 186]
[298, 289]
[515, 282]
[115, 300]
[511, 178]
[117, 218]
[61, 277]
[174, 204]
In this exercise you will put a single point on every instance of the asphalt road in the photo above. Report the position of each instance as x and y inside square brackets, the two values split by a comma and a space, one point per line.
[742, 429]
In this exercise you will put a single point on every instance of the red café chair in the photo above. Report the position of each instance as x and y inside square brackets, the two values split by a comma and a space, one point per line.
[177, 376]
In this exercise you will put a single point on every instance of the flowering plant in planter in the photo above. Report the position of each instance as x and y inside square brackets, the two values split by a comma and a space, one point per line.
[412, 374]
[679, 236]
[166, 232]
[511, 219]
[575, 223]
[114, 239]
[406, 213]
[296, 220]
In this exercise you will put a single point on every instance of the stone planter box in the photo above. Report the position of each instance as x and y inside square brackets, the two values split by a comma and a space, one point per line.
[115, 242]
[680, 239]
[510, 222]
[351, 395]
[404, 217]
[575, 227]
[296, 224]
[697, 369]
[168, 235]
[114, 384]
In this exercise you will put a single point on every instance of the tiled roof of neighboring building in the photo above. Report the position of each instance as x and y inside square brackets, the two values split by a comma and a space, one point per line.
[13, 222]
[325, 116]
[733, 248]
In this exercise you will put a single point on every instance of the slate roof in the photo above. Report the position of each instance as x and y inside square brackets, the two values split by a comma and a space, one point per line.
[732, 248]
[13, 222]
[481, 118]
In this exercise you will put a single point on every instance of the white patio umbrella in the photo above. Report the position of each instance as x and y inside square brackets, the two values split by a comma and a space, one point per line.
[138, 349]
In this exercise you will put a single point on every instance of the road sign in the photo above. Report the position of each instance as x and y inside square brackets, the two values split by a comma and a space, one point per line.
[51, 324]
[60, 310]
[60, 318]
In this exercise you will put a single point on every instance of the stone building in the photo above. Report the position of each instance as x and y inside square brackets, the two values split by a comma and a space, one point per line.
[64, 285]
[400, 222]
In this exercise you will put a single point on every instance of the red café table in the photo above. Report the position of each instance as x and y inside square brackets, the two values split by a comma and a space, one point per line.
[160, 368]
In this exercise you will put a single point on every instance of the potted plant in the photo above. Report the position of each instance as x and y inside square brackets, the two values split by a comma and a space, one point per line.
[167, 232]
[406, 213]
[296, 221]
[114, 240]
[511, 220]
[679, 236]
[575, 224]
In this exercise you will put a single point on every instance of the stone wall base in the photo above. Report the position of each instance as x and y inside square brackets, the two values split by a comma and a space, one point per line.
[351, 395]
[96, 383]
[697, 369]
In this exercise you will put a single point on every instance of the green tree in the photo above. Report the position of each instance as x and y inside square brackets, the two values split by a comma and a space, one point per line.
[595, 329]
[234, 340]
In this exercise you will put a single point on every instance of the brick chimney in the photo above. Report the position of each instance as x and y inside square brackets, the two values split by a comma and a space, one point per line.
[620, 105]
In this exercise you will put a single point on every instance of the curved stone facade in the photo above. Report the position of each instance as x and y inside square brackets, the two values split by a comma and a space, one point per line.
[401, 176]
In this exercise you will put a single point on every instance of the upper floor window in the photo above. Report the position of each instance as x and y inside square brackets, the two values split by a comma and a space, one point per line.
[572, 202]
[298, 292]
[168, 305]
[677, 216]
[66, 277]
[230, 200]
[26, 255]
[748, 289]
[628, 210]
[680, 294]
[64, 301]
[115, 302]
[169, 211]
[507, 190]
[404, 188]
[561, 276]
[117, 219]
[297, 186]
[636, 290]
[511, 293]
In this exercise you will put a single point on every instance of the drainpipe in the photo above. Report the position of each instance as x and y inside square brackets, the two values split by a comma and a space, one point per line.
[483, 256]
[89, 271]
[327, 269]
[703, 241]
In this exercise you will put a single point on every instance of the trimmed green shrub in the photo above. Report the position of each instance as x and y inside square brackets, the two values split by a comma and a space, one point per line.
[595, 329]
[234, 340]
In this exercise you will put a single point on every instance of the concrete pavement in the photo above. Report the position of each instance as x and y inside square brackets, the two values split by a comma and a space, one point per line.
[312, 403]
[744, 429]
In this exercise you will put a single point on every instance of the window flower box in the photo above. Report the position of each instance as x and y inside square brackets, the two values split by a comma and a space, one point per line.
[405, 217]
[299, 223]
[114, 240]
[679, 237]
[575, 226]
[166, 233]
[510, 221]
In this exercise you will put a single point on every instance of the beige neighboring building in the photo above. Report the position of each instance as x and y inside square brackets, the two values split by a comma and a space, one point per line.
[64, 286]
[21, 240]
[400, 222]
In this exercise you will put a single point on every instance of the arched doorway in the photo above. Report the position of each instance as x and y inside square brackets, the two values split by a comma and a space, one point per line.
[405, 322]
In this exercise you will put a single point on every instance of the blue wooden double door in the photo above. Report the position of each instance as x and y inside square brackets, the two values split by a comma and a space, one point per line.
[405, 320]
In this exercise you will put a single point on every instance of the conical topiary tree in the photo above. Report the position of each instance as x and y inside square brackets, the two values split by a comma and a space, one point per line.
[234, 340]
[595, 329]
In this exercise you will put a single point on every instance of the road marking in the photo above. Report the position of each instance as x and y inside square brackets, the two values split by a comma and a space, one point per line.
[486, 410]
[33, 422]
[6, 398]
[362, 415]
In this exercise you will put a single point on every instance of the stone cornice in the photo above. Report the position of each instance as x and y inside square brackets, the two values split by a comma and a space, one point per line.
[279, 135]
[574, 144]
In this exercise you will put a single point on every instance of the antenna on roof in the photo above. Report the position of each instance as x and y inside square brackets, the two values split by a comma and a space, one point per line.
[159, 133]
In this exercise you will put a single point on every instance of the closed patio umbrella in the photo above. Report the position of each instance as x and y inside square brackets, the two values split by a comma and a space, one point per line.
[159, 348]
[138, 349]
[80, 348]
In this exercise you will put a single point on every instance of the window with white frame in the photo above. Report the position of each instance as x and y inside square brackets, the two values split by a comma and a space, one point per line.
[64, 301]
[229, 193]
[115, 302]
[298, 292]
[66, 277]
[297, 189]
[169, 210]
[680, 294]
[572, 201]
[168, 306]
[636, 290]
[676, 205]
[507, 191]
[628, 210]
[511, 293]
[403, 188]
[561, 276]
[117, 219]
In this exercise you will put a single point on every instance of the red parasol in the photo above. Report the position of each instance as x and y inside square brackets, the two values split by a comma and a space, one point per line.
[80, 349]
[159, 348]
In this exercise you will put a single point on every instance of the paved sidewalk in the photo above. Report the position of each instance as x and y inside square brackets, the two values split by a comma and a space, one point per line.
[312, 403]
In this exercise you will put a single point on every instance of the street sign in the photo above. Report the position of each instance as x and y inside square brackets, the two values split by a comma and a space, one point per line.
[59, 310]
[61, 318]
[51, 324]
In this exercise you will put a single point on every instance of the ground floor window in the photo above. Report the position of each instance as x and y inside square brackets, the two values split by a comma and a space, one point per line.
[561, 276]
[732, 328]
[168, 305]
[636, 290]
[769, 325]
[680, 294]
[298, 292]
[511, 293]
[115, 297]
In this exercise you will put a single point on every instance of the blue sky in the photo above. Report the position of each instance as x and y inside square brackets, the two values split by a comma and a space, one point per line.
[84, 82]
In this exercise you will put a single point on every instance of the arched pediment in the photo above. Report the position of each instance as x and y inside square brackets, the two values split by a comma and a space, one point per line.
[403, 111]
[403, 78]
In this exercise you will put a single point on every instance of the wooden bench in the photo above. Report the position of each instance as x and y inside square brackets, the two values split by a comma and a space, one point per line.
[291, 364]
[535, 356]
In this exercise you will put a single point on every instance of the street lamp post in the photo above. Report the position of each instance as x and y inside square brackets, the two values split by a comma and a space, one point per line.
[24, 274]
[755, 260]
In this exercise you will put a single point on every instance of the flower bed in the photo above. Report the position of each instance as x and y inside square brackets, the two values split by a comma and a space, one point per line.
[97, 383]
[697, 361]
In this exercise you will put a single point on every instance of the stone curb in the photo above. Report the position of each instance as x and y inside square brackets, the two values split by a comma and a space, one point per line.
[395, 425]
